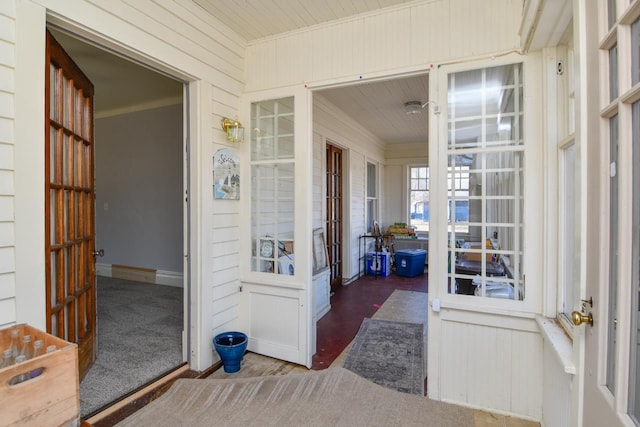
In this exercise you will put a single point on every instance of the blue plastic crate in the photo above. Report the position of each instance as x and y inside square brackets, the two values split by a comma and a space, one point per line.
[410, 262]
[378, 263]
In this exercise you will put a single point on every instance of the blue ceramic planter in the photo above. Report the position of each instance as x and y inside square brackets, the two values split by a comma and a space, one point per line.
[231, 347]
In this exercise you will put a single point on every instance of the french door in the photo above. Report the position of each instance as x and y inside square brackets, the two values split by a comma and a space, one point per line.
[610, 172]
[69, 204]
[334, 213]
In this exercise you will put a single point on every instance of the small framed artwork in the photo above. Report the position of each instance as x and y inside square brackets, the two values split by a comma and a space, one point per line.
[320, 254]
[226, 175]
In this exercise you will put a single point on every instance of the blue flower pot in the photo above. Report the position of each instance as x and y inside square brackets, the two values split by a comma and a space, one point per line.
[231, 347]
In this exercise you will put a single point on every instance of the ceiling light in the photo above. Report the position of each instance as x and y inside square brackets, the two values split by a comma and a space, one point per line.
[413, 107]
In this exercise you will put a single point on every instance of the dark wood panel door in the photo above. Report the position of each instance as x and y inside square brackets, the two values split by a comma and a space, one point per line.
[334, 213]
[69, 199]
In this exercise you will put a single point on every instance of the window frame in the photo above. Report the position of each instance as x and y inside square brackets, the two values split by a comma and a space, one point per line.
[371, 199]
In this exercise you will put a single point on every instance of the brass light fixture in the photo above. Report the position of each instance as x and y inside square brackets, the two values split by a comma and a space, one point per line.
[234, 130]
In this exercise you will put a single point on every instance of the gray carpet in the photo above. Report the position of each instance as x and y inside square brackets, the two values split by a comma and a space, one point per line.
[331, 397]
[389, 354]
[139, 338]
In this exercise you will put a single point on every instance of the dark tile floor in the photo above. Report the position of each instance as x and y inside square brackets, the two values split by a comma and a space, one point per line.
[352, 303]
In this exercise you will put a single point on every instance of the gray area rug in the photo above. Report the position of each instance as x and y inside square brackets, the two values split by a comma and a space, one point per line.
[331, 397]
[389, 354]
[139, 338]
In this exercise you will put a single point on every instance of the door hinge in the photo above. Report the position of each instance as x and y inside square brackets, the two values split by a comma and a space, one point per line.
[240, 288]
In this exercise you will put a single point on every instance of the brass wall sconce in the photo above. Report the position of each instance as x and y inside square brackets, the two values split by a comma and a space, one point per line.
[234, 130]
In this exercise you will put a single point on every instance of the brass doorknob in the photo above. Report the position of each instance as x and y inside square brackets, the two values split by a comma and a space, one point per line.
[579, 318]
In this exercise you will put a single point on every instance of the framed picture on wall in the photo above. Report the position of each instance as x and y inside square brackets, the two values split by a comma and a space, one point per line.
[226, 175]
[320, 254]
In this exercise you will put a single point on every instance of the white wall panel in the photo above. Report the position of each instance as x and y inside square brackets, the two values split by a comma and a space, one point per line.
[557, 401]
[496, 368]
[6, 128]
[403, 37]
[6, 208]
[6, 156]
[7, 234]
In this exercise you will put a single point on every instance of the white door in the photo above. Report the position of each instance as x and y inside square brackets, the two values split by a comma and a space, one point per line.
[276, 305]
[608, 131]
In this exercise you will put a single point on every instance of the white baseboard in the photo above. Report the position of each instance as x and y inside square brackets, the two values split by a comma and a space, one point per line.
[103, 269]
[158, 277]
[169, 278]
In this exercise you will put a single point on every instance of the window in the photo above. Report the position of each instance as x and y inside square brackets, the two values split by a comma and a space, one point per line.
[372, 196]
[419, 197]
[486, 182]
[272, 186]
[568, 188]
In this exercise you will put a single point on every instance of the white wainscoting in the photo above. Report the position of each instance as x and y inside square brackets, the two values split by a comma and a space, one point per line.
[491, 362]
[272, 312]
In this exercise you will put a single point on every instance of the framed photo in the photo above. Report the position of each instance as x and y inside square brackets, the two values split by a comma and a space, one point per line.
[226, 175]
[320, 254]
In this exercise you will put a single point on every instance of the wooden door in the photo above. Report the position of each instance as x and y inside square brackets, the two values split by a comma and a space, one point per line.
[69, 204]
[334, 213]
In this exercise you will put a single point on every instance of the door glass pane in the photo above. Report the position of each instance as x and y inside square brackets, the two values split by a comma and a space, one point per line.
[611, 13]
[635, 52]
[485, 189]
[613, 73]
[613, 252]
[272, 186]
[634, 383]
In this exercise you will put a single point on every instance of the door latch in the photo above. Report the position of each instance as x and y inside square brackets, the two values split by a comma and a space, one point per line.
[98, 253]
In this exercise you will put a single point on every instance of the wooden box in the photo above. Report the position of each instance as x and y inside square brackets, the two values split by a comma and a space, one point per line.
[49, 399]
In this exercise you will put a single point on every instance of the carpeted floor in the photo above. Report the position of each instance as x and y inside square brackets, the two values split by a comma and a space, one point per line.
[389, 354]
[139, 338]
[331, 397]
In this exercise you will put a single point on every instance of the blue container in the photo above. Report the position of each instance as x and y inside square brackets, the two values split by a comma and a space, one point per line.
[231, 347]
[410, 262]
[379, 263]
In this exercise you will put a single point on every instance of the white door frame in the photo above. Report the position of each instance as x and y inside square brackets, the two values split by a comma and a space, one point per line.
[29, 83]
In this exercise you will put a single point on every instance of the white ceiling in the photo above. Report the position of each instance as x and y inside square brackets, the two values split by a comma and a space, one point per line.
[254, 19]
[379, 107]
[122, 85]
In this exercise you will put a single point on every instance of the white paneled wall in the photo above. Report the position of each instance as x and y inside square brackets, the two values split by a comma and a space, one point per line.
[359, 145]
[7, 141]
[493, 363]
[412, 36]
[558, 404]
[176, 37]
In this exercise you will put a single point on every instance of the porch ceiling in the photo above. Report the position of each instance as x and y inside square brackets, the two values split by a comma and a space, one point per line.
[255, 19]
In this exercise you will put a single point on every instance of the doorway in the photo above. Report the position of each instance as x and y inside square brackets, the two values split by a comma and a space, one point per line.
[140, 223]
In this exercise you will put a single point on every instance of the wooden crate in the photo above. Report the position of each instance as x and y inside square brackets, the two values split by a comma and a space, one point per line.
[49, 399]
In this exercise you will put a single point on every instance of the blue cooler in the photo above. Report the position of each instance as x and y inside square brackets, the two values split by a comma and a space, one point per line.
[410, 262]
